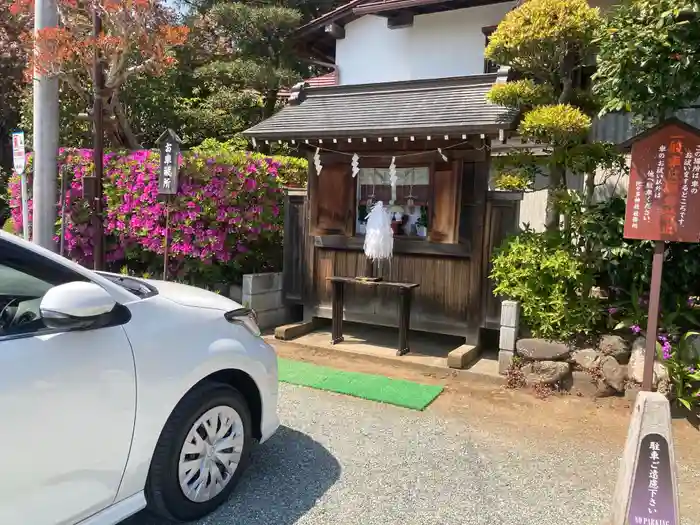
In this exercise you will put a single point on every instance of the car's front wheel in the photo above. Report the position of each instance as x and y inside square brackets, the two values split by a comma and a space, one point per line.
[201, 453]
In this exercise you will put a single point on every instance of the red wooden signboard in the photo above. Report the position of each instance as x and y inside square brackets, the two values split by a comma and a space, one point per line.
[663, 201]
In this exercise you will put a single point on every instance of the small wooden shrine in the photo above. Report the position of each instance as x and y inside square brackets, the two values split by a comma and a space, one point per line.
[423, 149]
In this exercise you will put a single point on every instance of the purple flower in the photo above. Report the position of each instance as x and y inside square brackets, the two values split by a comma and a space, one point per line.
[635, 329]
[691, 302]
[666, 349]
[612, 310]
[218, 207]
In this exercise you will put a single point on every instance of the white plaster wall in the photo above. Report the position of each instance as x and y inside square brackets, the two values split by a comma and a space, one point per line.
[438, 45]
[533, 207]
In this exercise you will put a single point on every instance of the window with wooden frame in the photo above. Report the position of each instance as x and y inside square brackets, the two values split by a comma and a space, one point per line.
[435, 202]
[489, 66]
[411, 209]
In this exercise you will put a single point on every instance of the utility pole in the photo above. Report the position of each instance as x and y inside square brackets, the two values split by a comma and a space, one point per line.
[45, 139]
[98, 147]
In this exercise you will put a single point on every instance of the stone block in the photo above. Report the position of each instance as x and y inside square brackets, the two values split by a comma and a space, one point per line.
[615, 346]
[294, 330]
[272, 318]
[235, 292]
[263, 301]
[505, 360]
[463, 356]
[541, 350]
[545, 372]
[510, 314]
[586, 358]
[255, 283]
[584, 384]
[507, 336]
[614, 374]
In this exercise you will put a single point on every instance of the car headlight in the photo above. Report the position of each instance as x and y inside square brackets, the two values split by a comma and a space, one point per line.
[245, 317]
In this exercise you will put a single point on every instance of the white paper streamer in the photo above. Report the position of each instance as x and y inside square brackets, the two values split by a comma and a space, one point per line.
[317, 161]
[355, 165]
[379, 237]
[393, 179]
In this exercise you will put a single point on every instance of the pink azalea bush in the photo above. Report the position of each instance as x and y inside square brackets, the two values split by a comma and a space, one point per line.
[225, 220]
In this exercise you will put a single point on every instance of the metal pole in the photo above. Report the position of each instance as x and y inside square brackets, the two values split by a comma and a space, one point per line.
[167, 231]
[45, 138]
[653, 321]
[64, 184]
[98, 147]
[25, 206]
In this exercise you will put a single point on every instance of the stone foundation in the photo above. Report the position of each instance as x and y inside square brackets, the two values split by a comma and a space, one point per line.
[263, 293]
[612, 366]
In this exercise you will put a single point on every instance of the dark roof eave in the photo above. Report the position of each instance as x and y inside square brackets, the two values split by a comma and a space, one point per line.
[470, 129]
[327, 18]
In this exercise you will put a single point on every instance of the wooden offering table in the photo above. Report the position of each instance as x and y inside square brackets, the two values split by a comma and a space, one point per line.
[405, 294]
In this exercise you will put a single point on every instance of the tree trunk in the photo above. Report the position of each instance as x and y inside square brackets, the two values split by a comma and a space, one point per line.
[270, 103]
[590, 187]
[556, 181]
[118, 129]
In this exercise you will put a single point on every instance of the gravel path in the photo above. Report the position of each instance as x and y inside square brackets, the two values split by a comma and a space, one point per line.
[343, 460]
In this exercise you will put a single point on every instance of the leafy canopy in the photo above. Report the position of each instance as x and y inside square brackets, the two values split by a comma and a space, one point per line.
[648, 58]
[137, 38]
[541, 37]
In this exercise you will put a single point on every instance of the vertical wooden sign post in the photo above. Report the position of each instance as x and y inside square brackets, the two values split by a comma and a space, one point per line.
[663, 205]
[168, 180]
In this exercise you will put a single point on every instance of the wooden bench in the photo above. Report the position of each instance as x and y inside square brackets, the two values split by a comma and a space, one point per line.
[405, 295]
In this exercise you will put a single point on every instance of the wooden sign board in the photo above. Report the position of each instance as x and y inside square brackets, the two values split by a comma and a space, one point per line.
[168, 177]
[663, 201]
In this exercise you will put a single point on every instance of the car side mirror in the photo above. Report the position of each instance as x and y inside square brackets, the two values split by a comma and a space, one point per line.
[75, 305]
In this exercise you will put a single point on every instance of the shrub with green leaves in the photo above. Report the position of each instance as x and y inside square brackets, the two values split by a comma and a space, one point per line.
[538, 271]
[647, 59]
[521, 94]
[556, 125]
[680, 357]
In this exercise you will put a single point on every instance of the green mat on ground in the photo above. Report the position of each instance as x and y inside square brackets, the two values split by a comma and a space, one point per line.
[366, 386]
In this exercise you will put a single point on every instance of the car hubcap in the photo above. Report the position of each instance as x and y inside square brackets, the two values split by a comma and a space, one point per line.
[211, 453]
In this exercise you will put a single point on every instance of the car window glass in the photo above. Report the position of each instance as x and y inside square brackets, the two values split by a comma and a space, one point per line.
[25, 277]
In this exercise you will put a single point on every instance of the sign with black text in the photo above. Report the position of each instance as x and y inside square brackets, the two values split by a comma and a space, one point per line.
[169, 166]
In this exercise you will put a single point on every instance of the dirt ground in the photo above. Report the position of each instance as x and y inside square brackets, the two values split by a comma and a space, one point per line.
[592, 424]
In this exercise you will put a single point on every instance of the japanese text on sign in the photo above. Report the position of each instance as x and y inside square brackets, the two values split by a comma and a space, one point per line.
[169, 155]
[168, 166]
[653, 475]
[653, 491]
[664, 190]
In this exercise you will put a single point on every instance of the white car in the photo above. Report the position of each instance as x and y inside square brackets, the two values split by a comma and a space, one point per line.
[119, 393]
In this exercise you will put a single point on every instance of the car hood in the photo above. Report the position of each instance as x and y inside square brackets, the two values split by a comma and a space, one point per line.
[191, 296]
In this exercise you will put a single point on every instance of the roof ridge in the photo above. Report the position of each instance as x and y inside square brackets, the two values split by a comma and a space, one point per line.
[404, 85]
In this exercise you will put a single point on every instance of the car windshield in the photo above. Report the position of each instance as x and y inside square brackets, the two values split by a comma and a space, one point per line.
[135, 286]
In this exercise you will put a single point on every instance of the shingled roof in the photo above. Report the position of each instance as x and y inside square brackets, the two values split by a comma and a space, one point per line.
[417, 107]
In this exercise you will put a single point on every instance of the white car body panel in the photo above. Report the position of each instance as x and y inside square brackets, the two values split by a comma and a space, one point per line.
[126, 389]
[67, 424]
[194, 353]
